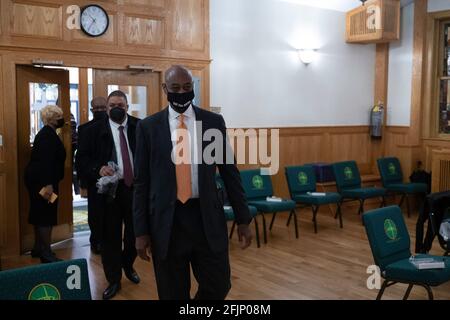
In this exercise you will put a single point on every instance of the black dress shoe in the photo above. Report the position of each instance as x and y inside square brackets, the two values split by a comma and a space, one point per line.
[111, 291]
[132, 275]
[96, 249]
[49, 258]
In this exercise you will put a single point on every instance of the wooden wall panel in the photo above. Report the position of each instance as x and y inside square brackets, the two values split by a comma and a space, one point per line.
[37, 20]
[144, 31]
[2, 210]
[188, 25]
[149, 3]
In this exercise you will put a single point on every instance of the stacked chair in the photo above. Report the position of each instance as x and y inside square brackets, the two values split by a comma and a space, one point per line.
[348, 182]
[302, 186]
[392, 179]
[390, 244]
[257, 188]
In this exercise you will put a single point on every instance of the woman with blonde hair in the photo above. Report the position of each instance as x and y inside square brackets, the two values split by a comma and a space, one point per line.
[42, 176]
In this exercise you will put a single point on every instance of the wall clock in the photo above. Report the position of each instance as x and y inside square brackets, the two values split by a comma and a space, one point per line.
[94, 20]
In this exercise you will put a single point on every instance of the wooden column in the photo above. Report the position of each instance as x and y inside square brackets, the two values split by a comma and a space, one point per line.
[381, 93]
[83, 95]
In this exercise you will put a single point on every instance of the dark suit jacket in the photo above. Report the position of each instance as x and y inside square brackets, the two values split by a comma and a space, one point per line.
[155, 190]
[98, 151]
[46, 164]
[84, 136]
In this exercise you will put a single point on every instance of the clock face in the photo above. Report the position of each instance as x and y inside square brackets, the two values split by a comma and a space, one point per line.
[94, 20]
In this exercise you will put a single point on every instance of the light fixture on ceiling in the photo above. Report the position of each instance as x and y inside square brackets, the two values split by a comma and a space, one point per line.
[307, 55]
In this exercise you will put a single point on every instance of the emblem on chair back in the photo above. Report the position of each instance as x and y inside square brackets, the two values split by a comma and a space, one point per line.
[390, 229]
[302, 178]
[348, 173]
[44, 291]
[392, 169]
[257, 182]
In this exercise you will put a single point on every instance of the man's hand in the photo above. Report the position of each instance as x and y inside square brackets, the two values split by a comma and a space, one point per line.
[48, 191]
[106, 171]
[83, 193]
[245, 236]
[143, 247]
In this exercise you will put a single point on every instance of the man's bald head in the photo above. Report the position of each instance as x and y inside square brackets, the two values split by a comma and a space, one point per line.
[178, 79]
[98, 104]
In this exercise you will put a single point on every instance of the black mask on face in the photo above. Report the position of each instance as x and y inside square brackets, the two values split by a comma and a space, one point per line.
[59, 123]
[180, 101]
[99, 115]
[117, 114]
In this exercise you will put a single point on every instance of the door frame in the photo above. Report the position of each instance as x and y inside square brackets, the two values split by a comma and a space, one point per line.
[30, 74]
[9, 58]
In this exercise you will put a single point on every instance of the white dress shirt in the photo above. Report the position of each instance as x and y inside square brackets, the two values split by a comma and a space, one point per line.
[116, 137]
[190, 122]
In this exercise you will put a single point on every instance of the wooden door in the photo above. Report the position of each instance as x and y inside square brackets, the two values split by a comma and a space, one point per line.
[36, 88]
[141, 87]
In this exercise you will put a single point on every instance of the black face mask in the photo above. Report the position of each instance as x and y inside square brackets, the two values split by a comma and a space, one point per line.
[117, 114]
[59, 123]
[180, 101]
[99, 115]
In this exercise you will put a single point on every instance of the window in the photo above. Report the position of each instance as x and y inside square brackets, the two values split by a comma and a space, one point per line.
[444, 82]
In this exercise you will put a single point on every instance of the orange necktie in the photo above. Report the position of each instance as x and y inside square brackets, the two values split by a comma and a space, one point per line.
[183, 169]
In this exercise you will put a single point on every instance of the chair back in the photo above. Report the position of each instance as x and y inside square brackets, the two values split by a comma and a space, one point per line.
[65, 280]
[347, 175]
[300, 179]
[390, 171]
[388, 235]
[256, 185]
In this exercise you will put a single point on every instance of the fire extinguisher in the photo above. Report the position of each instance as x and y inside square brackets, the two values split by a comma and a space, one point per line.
[376, 120]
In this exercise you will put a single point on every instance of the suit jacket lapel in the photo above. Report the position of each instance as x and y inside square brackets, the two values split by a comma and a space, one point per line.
[201, 144]
[107, 138]
[131, 133]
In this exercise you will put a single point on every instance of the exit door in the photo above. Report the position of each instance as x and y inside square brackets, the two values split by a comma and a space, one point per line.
[37, 88]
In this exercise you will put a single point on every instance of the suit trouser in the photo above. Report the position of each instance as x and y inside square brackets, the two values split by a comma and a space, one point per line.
[95, 214]
[189, 248]
[118, 212]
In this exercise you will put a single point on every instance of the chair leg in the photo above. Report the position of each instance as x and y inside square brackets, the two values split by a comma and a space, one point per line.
[264, 227]
[289, 220]
[383, 202]
[273, 219]
[295, 223]
[383, 287]
[315, 209]
[429, 291]
[232, 229]
[408, 207]
[408, 291]
[339, 214]
[338, 207]
[361, 207]
[401, 200]
[258, 244]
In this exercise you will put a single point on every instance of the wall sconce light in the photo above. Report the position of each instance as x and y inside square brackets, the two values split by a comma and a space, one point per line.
[307, 55]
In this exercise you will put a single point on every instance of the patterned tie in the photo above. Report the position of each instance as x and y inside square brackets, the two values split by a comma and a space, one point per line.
[127, 168]
[183, 170]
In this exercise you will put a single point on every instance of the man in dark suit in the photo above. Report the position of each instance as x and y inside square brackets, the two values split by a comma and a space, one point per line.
[177, 211]
[114, 139]
[87, 185]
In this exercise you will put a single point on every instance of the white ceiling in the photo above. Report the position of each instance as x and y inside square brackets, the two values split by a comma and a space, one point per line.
[338, 5]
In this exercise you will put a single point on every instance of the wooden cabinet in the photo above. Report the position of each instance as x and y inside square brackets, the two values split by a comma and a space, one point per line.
[378, 21]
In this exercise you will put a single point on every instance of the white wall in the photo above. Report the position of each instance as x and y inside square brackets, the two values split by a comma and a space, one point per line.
[258, 80]
[438, 5]
[400, 72]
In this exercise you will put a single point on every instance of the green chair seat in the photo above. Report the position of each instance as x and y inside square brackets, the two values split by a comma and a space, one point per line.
[330, 197]
[404, 270]
[407, 187]
[229, 213]
[272, 206]
[363, 193]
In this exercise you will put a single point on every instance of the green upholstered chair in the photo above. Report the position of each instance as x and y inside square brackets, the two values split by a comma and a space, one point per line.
[65, 280]
[257, 188]
[301, 182]
[229, 213]
[348, 182]
[392, 179]
[390, 244]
